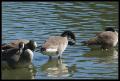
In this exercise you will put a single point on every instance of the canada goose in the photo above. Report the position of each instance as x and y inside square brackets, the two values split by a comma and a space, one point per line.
[11, 56]
[26, 56]
[55, 45]
[30, 44]
[106, 39]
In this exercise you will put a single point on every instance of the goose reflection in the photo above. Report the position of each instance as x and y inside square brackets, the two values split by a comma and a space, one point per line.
[19, 64]
[106, 56]
[19, 73]
[55, 68]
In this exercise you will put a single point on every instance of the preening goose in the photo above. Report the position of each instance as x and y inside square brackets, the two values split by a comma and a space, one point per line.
[27, 52]
[106, 39]
[11, 56]
[55, 45]
[26, 56]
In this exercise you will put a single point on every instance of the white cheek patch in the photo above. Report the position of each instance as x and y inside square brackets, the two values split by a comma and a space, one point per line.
[51, 50]
[23, 46]
[35, 44]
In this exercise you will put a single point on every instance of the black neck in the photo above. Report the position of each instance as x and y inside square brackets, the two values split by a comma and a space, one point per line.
[110, 29]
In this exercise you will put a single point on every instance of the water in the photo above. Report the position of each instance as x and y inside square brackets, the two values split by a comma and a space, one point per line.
[39, 20]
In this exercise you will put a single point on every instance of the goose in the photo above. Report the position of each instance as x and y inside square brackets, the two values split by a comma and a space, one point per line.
[30, 44]
[54, 46]
[106, 39]
[26, 56]
[11, 56]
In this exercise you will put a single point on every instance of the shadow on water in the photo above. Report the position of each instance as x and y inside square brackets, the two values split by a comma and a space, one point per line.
[55, 68]
[92, 62]
[107, 56]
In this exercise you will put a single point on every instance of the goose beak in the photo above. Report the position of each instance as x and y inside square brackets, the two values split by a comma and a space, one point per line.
[43, 49]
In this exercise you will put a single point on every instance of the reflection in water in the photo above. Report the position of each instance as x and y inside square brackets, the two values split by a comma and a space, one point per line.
[107, 56]
[19, 73]
[57, 69]
[20, 64]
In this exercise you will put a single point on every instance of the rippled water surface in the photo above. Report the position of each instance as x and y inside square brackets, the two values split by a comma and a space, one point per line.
[39, 20]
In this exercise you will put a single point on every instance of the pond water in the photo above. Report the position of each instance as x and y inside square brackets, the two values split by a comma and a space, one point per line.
[39, 20]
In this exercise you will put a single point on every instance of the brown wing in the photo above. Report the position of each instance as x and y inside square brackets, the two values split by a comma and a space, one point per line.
[55, 42]
[107, 37]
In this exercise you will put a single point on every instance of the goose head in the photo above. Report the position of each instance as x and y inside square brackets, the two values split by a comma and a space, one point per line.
[109, 29]
[31, 45]
[21, 47]
[70, 36]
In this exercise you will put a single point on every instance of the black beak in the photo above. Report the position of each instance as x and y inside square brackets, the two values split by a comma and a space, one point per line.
[43, 49]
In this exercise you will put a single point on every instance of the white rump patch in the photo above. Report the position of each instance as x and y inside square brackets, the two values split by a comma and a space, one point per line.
[51, 50]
